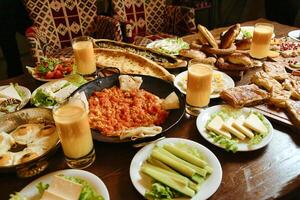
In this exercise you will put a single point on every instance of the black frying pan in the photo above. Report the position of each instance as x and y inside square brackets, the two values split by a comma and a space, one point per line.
[151, 84]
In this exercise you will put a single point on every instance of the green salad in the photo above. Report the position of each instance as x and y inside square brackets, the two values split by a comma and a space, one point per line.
[170, 46]
[231, 144]
[87, 192]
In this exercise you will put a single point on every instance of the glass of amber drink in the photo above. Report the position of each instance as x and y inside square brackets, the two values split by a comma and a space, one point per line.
[84, 55]
[71, 120]
[261, 40]
[198, 87]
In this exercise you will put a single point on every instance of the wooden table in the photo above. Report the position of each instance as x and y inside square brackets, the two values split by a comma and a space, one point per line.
[272, 172]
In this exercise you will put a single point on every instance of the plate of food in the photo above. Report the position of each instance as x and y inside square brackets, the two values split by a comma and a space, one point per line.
[124, 108]
[234, 129]
[171, 46]
[57, 91]
[28, 138]
[49, 69]
[65, 184]
[13, 97]
[175, 168]
[220, 82]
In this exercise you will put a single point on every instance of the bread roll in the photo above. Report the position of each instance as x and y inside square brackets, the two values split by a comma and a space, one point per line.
[243, 44]
[229, 37]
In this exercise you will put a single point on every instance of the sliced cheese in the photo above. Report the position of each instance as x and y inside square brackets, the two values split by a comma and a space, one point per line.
[171, 102]
[64, 93]
[65, 188]
[10, 92]
[51, 196]
[216, 124]
[254, 123]
[228, 126]
[238, 124]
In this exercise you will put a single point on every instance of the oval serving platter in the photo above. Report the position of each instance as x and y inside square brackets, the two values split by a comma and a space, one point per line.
[151, 84]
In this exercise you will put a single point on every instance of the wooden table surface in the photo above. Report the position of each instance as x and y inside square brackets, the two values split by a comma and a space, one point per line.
[272, 172]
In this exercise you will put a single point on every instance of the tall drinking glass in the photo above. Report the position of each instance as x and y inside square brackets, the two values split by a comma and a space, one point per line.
[84, 55]
[198, 87]
[261, 40]
[71, 120]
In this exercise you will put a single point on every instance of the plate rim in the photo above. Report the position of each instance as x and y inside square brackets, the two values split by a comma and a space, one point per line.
[201, 126]
[214, 96]
[69, 172]
[291, 36]
[31, 72]
[146, 150]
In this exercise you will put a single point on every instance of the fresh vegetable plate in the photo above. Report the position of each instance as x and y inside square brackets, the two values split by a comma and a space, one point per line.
[234, 144]
[49, 69]
[57, 91]
[24, 93]
[220, 82]
[170, 46]
[142, 182]
[30, 191]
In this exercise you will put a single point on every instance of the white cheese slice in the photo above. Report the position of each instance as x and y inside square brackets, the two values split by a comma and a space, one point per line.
[228, 126]
[57, 85]
[64, 188]
[64, 93]
[254, 123]
[238, 124]
[216, 124]
[47, 195]
[10, 92]
[171, 102]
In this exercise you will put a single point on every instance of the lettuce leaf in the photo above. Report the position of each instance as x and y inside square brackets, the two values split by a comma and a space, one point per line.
[160, 191]
[42, 99]
[17, 196]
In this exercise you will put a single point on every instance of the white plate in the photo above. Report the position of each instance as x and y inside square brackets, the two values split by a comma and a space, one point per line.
[142, 182]
[228, 82]
[294, 35]
[30, 190]
[245, 28]
[25, 99]
[45, 85]
[158, 44]
[205, 116]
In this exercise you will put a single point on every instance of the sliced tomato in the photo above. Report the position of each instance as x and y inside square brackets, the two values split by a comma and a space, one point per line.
[58, 74]
[50, 75]
[68, 69]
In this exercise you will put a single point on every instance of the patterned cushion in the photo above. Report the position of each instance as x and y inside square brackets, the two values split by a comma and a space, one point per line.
[62, 20]
[146, 16]
[181, 20]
